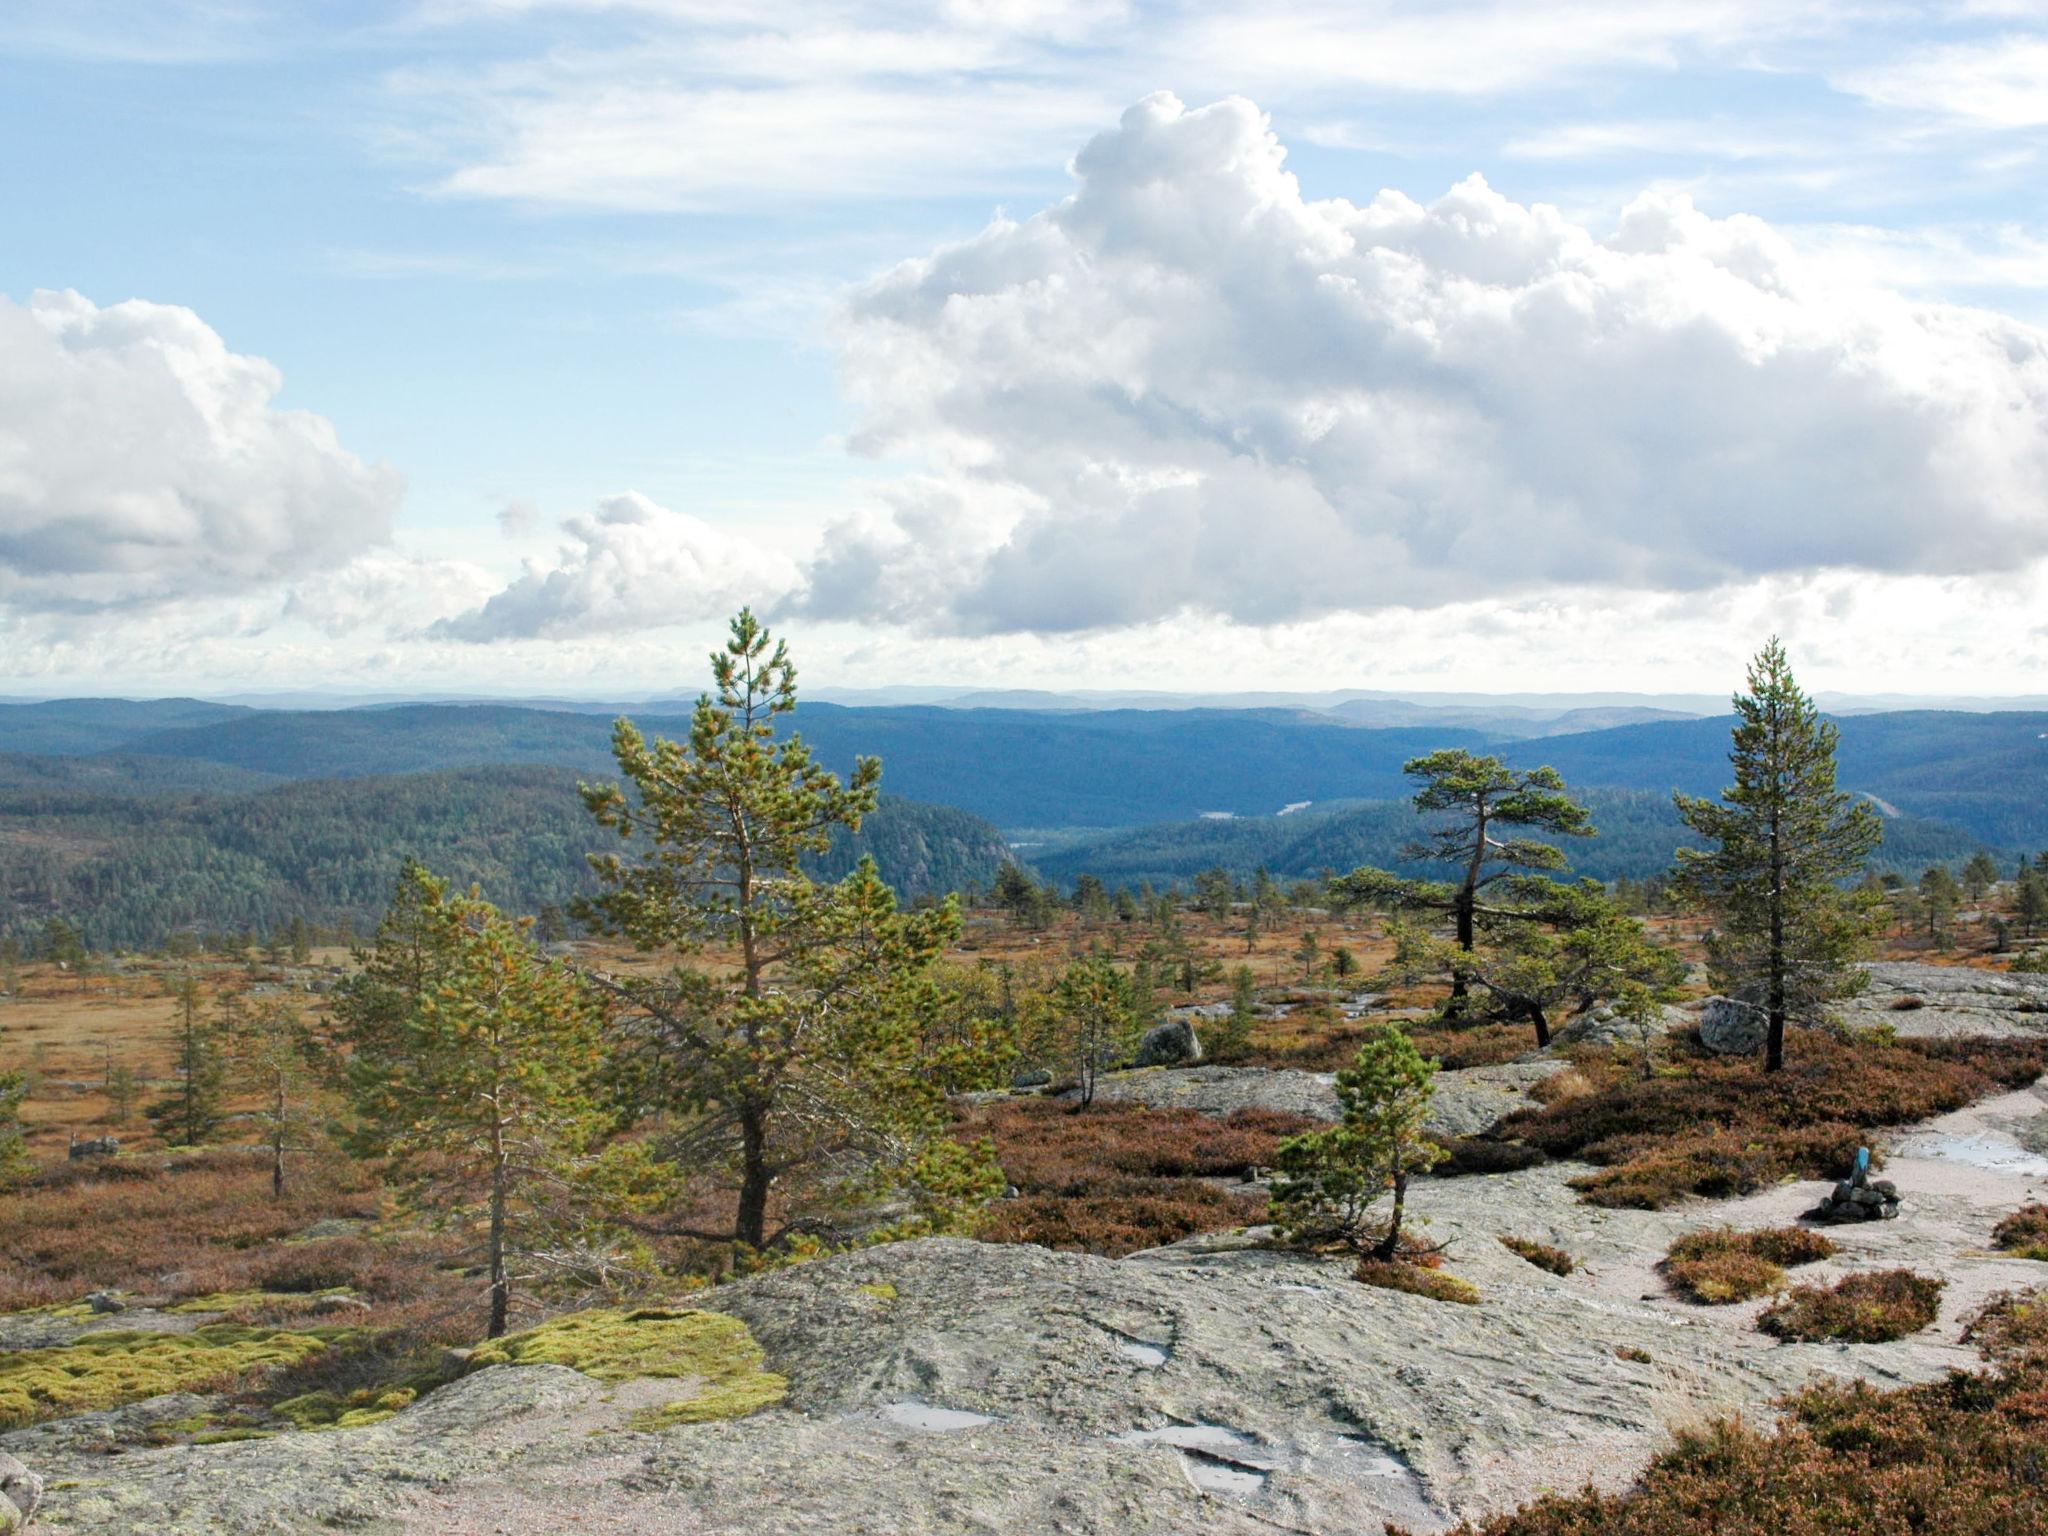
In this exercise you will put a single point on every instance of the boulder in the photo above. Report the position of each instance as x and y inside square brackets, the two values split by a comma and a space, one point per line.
[1023, 1082]
[20, 1492]
[1732, 1028]
[1171, 1044]
[105, 1301]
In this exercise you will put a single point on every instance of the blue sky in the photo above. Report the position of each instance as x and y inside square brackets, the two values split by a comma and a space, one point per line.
[614, 314]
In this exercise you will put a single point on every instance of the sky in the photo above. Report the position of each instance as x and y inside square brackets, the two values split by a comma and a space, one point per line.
[508, 346]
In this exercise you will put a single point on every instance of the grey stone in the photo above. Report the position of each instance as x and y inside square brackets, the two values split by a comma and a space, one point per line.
[1732, 1028]
[1171, 1044]
[1025, 1081]
[23, 1495]
[105, 1301]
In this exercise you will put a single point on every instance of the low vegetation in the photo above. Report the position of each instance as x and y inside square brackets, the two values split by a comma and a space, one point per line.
[1117, 1178]
[714, 1351]
[1416, 1280]
[2023, 1234]
[110, 1368]
[1872, 1308]
[1721, 1265]
[1712, 1126]
[1542, 1255]
[1961, 1455]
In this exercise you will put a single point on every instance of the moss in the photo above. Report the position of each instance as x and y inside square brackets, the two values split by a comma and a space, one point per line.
[1433, 1283]
[881, 1291]
[238, 1301]
[611, 1345]
[229, 1436]
[105, 1370]
[330, 1410]
[1542, 1255]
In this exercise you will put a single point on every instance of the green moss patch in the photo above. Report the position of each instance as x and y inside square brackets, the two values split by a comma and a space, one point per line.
[881, 1291]
[331, 1410]
[106, 1370]
[613, 1345]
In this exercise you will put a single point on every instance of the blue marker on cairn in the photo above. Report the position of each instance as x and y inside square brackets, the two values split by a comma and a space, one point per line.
[1859, 1197]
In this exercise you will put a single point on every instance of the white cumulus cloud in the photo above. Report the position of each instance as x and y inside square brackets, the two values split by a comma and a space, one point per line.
[628, 564]
[1187, 388]
[142, 461]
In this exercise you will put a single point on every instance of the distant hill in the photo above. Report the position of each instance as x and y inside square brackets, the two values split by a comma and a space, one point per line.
[1639, 832]
[132, 867]
[85, 726]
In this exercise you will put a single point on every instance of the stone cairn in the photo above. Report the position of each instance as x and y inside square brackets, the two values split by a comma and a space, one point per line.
[1859, 1197]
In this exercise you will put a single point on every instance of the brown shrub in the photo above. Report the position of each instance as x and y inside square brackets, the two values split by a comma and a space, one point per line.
[1115, 1178]
[1416, 1280]
[1872, 1308]
[1720, 1127]
[1962, 1457]
[1465, 1156]
[1119, 1217]
[2023, 1233]
[1542, 1255]
[1320, 1042]
[2011, 1327]
[1721, 1265]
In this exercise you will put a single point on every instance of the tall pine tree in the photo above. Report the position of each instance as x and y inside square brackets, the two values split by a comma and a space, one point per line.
[1787, 843]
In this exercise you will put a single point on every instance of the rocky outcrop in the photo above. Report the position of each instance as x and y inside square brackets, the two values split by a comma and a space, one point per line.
[1466, 1103]
[1945, 1000]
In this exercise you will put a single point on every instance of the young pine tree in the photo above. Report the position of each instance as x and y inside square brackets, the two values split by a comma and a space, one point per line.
[488, 1093]
[793, 1063]
[1098, 1019]
[270, 1055]
[1327, 1183]
[15, 1162]
[1787, 841]
[194, 1109]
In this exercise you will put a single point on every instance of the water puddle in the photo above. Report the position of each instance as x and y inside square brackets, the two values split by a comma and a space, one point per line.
[1997, 1154]
[1150, 1356]
[1216, 1459]
[936, 1421]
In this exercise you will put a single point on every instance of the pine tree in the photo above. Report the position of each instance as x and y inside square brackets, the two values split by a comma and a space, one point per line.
[1482, 798]
[1939, 897]
[122, 1092]
[16, 1164]
[1327, 1182]
[1232, 1037]
[270, 1054]
[1787, 842]
[194, 1109]
[799, 1059]
[1980, 873]
[494, 1076]
[1098, 1017]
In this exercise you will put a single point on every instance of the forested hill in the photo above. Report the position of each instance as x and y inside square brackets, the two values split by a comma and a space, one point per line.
[1984, 773]
[132, 863]
[1639, 831]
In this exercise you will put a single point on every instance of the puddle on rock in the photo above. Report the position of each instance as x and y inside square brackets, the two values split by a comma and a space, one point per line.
[936, 1421]
[1995, 1153]
[1216, 1459]
[1150, 1356]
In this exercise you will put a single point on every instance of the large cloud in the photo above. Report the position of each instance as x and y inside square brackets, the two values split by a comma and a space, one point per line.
[141, 460]
[628, 565]
[1188, 388]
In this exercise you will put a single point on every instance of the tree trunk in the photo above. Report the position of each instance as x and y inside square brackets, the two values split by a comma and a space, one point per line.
[1542, 1023]
[277, 1149]
[501, 1284]
[751, 1225]
[1390, 1244]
